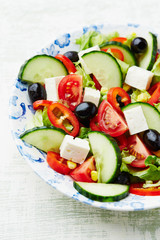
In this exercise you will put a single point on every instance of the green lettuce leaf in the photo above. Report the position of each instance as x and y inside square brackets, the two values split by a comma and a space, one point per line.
[126, 157]
[87, 80]
[83, 133]
[157, 105]
[140, 96]
[36, 121]
[46, 121]
[130, 38]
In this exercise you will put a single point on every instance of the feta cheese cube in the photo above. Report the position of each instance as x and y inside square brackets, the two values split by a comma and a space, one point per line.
[51, 86]
[139, 78]
[74, 149]
[81, 53]
[136, 120]
[91, 95]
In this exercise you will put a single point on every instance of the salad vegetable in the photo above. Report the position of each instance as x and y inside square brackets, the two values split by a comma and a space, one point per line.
[106, 109]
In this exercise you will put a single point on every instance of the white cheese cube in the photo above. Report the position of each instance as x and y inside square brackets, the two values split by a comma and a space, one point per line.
[81, 53]
[136, 120]
[139, 78]
[74, 149]
[91, 95]
[51, 86]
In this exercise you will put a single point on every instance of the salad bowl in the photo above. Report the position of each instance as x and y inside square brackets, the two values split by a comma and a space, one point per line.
[21, 112]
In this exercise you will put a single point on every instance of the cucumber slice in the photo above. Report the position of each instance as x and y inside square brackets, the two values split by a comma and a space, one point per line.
[147, 59]
[105, 68]
[129, 57]
[39, 67]
[44, 138]
[151, 114]
[102, 192]
[107, 156]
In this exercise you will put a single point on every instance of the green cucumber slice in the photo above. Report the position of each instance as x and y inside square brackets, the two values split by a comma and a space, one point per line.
[44, 138]
[39, 67]
[102, 192]
[107, 156]
[129, 57]
[151, 114]
[105, 68]
[147, 59]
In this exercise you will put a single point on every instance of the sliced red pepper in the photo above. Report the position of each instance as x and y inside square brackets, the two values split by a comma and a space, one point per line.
[112, 98]
[67, 62]
[62, 117]
[116, 52]
[97, 84]
[154, 91]
[137, 189]
[57, 163]
[119, 39]
[40, 104]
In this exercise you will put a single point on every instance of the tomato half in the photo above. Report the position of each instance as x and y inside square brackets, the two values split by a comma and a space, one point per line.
[110, 121]
[119, 39]
[57, 163]
[112, 98]
[137, 148]
[97, 84]
[154, 91]
[70, 90]
[62, 117]
[40, 104]
[94, 124]
[67, 62]
[137, 188]
[116, 52]
[83, 172]
[121, 141]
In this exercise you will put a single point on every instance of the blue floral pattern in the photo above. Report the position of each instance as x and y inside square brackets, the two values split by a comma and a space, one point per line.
[21, 110]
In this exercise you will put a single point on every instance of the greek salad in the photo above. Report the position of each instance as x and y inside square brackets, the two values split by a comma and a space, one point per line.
[97, 114]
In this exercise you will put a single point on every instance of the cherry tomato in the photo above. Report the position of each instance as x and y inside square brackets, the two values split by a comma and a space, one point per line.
[137, 189]
[40, 104]
[154, 91]
[139, 150]
[112, 98]
[97, 84]
[67, 62]
[62, 117]
[83, 172]
[110, 121]
[122, 141]
[70, 90]
[94, 124]
[119, 39]
[57, 163]
[116, 52]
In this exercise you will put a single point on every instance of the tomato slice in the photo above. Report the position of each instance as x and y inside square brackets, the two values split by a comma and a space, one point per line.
[40, 104]
[122, 141]
[110, 121]
[119, 39]
[116, 52]
[139, 150]
[70, 90]
[154, 91]
[97, 84]
[83, 172]
[94, 124]
[57, 163]
[112, 98]
[62, 117]
[67, 62]
[137, 188]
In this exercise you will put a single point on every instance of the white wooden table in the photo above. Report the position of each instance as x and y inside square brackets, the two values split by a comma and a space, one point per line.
[29, 208]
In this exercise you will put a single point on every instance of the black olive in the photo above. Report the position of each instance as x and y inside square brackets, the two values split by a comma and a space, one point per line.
[119, 98]
[85, 111]
[72, 55]
[139, 45]
[151, 139]
[123, 178]
[36, 92]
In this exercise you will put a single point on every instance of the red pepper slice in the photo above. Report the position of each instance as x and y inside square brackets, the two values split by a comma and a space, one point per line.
[57, 163]
[67, 62]
[40, 104]
[154, 91]
[119, 39]
[137, 189]
[62, 117]
[116, 52]
[97, 84]
[111, 97]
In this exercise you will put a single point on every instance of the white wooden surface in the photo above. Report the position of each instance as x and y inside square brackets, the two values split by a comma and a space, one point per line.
[29, 208]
